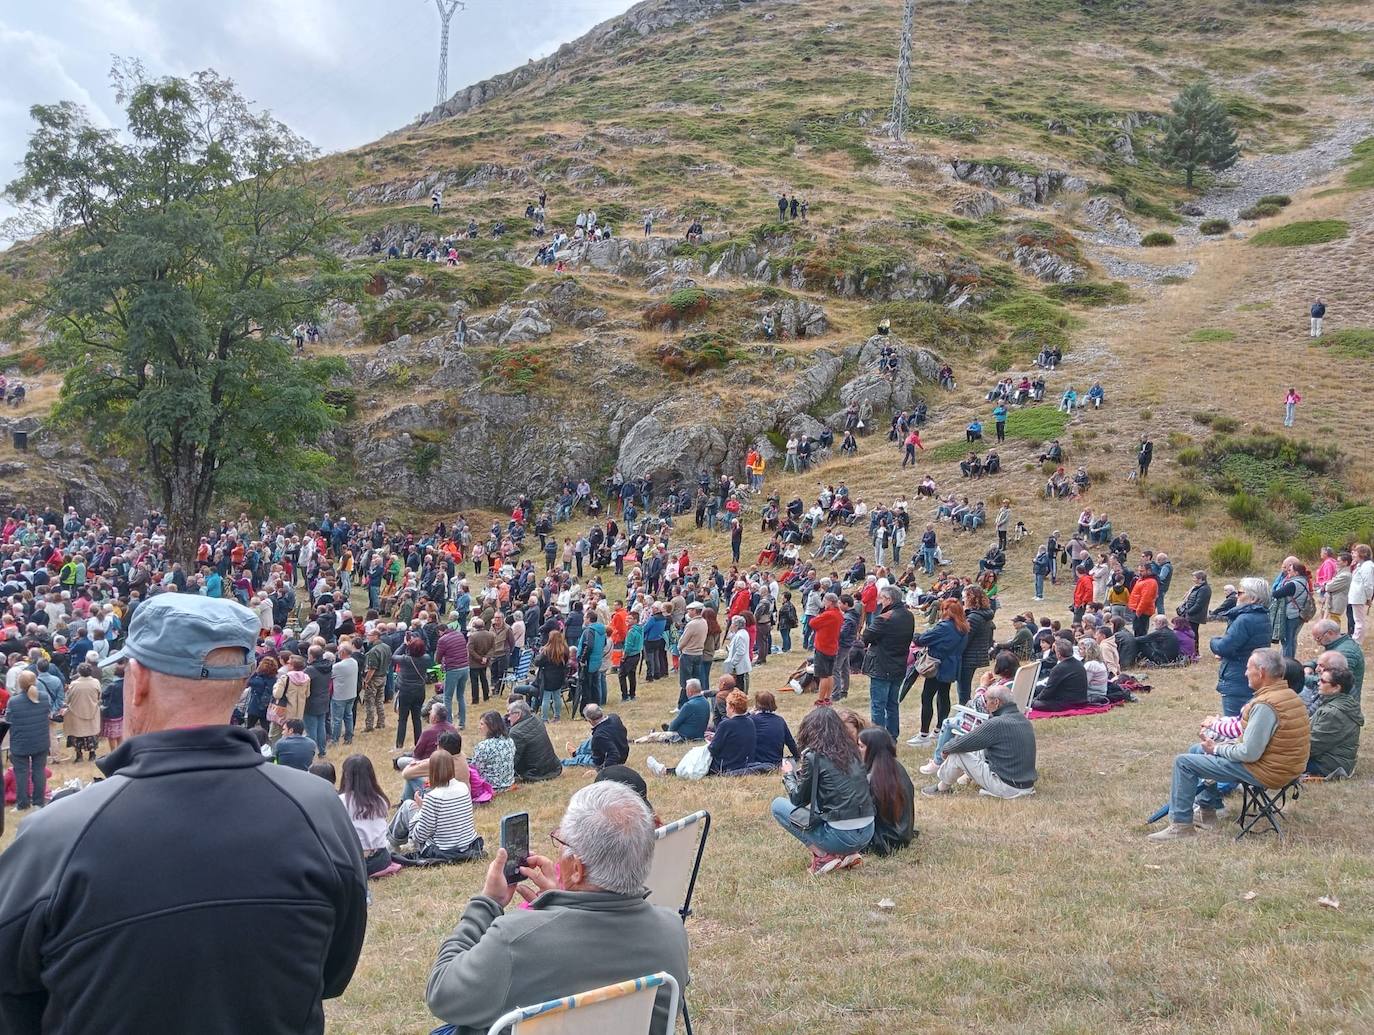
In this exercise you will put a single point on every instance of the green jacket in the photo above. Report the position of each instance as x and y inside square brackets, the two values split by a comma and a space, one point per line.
[1354, 658]
[566, 942]
[1335, 734]
[634, 640]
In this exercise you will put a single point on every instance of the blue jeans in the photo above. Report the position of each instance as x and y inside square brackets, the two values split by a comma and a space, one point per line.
[552, 700]
[582, 757]
[928, 560]
[456, 685]
[341, 716]
[415, 783]
[945, 736]
[882, 704]
[896, 555]
[315, 729]
[806, 632]
[374, 597]
[1290, 634]
[823, 836]
[1231, 704]
[1039, 584]
[786, 635]
[1288, 409]
[594, 687]
[1190, 770]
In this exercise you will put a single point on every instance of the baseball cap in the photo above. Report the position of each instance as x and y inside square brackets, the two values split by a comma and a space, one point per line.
[173, 633]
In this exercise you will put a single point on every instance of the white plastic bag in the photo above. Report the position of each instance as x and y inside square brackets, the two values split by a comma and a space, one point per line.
[695, 764]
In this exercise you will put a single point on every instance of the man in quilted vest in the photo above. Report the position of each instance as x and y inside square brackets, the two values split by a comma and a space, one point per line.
[1270, 752]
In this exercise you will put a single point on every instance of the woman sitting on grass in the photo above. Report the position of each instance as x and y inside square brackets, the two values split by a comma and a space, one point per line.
[828, 806]
[367, 807]
[894, 796]
[494, 756]
[439, 825]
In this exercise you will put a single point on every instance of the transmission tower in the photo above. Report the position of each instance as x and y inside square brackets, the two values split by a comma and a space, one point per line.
[445, 9]
[903, 72]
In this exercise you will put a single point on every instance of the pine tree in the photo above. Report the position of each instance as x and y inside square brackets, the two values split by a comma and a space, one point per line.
[1198, 133]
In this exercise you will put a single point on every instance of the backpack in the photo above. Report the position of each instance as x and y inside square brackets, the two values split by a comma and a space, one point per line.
[1307, 610]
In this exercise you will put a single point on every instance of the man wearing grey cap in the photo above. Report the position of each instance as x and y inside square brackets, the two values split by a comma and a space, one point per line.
[193, 871]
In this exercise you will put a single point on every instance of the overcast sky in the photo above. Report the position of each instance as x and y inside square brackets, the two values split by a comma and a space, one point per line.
[340, 72]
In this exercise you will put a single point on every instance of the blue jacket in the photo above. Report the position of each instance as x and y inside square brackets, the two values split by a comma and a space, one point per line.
[690, 721]
[29, 724]
[946, 643]
[654, 628]
[1248, 631]
[592, 647]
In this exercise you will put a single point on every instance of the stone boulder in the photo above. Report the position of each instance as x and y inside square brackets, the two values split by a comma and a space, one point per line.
[1046, 265]
[977, 204]
[798, 318]
[1031, 187]
[528, 327]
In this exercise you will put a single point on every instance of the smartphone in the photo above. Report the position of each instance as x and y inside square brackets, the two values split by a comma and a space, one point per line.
[515, 839]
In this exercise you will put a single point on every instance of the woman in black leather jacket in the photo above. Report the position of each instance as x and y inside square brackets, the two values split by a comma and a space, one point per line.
[828, 806]
[894, 795]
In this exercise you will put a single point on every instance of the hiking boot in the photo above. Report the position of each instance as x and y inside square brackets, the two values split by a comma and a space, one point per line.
[656, 767]
[1173, 832]
[1205, 819]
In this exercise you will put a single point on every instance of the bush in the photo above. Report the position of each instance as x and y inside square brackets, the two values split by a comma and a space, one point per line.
[1279, 200]
[1213, 227]
[1157, 239]
[695, 353]
[1340, 527]
[1244, 508]
[1175, 495]
[1294, 235]
[1259, 212]
[1190, 457]
[1090, 295]
[1232, 556]
[1225, 425]
[1212, 334]
[681, 307]
[1356, 342]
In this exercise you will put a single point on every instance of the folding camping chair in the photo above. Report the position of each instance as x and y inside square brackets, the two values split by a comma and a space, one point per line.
[1023, 686]
[673, 873]
[521, 673]
[1262, 805]
[626, 1008]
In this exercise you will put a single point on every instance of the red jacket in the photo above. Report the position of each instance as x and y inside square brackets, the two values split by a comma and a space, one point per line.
[739, 603]
[1083, 590]
[869, 596]
[826, 627]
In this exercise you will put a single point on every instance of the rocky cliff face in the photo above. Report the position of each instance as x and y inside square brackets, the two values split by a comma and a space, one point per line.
[639, 21]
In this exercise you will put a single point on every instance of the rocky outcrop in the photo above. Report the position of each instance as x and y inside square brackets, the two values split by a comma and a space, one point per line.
[977, 204]
[1045, 264]
[1032, 187]
[641, 20]
[1109, 222]
[798, 318]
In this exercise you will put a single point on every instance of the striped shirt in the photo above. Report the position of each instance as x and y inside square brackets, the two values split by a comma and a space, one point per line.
[445, 819]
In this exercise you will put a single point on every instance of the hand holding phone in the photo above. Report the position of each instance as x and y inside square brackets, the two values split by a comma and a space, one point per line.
[515, 839]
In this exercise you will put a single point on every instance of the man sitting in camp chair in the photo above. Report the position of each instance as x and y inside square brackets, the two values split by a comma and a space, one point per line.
[588, 924]
[1270, 753]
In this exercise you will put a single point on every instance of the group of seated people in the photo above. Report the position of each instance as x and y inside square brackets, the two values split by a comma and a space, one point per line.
[1095, 528]
[1060, 486]
[740, 740]
[1049, 357]
[973, 467]
[965, 516]
[1071, 399]
[1020, 392]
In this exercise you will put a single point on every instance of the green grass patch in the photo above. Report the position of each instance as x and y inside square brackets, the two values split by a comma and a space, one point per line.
[407, 316]
[1361, 172]
[1157, 239]
[1034, 424]
[1281, 200]
[1294, 235]
[935, 326]
[1336, 528]
[1176, 496]
[1212, 334]
[1090, 295]
[1032, 321]
[1260, 211]
[1356, 342]
[1232, 556]
[1213, 227]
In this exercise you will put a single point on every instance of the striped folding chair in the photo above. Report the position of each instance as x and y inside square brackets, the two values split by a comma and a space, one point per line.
[521, 673]
[678, 848]
[626, 1008]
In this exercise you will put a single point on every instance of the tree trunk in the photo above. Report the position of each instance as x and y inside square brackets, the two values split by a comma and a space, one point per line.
[187, 517]
[1188, 177]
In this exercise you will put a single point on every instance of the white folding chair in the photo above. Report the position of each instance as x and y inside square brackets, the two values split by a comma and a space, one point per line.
[626, 1008]
[1023, 686]
[678, 848]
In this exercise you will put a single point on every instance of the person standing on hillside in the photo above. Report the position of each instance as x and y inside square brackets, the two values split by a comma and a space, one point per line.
[1144, 455]
[1290, 405]
[999, 417]
[1317, 312]
[436, 200]
[782, 208]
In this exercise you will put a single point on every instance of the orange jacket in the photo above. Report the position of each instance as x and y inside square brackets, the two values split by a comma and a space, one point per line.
[620, 625]
[1143, 595]
[1083, 591]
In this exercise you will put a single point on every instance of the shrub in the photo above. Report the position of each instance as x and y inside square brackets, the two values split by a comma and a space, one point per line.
[1232, 556]
[1279, 200]
[408, 316]
[1173, 279]
[1244, 508]
[1090, 295]
[1295, 235]
[1356, 342]
[681, 307]
[1157, 239]
[1213, 227]
[1259, 212]
[1190, 457]
[695, 353]
[1340, 527]
[1177, 440]
[1225, 425]
[1175, 495]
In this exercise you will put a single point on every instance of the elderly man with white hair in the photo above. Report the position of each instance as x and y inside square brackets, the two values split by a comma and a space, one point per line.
[1329, 637]
[588, 925]
[1270, 752]
[998, 756]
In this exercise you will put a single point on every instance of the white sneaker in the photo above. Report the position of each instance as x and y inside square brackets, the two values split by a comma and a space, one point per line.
[919, 739]
[930, 768]
[656, 767]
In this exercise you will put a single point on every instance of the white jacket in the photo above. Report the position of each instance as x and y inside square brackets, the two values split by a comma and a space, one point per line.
[1362, 584]
[737, 657]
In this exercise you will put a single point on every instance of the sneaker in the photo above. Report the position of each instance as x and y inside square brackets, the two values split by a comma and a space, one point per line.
[930, 768]
[851, 861]
[919, 740]
[656, 767]
[825, 864]
[963, 780]
[935, 790]
[1173, 832]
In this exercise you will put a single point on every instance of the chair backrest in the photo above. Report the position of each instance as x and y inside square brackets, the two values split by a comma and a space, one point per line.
[626, 1008]
[678, 848]
[1023, 686]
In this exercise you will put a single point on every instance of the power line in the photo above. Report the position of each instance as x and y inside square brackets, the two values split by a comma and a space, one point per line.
[445, 9]
[898, 121]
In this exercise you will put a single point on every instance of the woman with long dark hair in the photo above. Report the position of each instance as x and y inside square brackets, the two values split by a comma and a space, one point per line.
[894, 795]
[367, 806]
[978, 612]
[828, 806]
[945, 641]
[494, 755]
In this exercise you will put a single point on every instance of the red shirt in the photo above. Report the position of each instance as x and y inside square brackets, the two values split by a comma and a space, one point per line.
[826, 627]
[739, 603]
[1083, 591]
[869, 596]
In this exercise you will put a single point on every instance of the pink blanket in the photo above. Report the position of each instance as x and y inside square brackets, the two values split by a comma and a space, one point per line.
[1087, 709]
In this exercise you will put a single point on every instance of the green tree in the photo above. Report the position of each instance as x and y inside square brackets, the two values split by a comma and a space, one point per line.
[188, 246]
[1198, 133]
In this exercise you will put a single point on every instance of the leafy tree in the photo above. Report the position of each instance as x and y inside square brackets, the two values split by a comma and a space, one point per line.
[188, 246]
[1198, 133]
